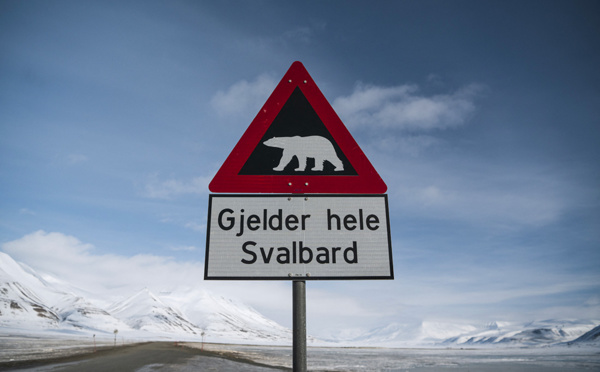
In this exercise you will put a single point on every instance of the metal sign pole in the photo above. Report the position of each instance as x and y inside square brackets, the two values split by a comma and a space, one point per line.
[299, 325]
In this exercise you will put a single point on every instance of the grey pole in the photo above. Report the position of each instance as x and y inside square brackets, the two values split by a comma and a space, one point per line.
[299, 325]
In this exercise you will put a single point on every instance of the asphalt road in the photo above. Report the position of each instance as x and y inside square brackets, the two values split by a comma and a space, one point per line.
[149, 357]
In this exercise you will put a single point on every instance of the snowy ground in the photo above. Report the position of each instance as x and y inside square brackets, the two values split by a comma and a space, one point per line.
[20, 348]
[551, 359]
[554, 358]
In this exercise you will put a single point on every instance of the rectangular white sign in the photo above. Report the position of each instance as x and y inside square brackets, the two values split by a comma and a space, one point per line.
[260, 237]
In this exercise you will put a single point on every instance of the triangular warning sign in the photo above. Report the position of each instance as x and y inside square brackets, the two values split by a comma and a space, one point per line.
[297, 144]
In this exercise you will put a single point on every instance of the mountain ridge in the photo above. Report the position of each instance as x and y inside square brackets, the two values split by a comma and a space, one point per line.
[28, 303]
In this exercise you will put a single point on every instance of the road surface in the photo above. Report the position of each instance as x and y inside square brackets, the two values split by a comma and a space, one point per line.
[148, 357]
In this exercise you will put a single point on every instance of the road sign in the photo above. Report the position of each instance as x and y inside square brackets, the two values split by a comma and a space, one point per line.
[297, 144]
[283, 237]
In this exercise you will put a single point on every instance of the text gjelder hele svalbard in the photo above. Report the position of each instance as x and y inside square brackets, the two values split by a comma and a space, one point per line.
[297, 252]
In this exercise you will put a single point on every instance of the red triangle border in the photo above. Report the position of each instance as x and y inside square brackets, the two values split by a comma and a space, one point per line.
[227, 179]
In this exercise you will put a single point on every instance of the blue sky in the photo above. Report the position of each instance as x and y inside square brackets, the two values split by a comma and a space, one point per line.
[481, 117]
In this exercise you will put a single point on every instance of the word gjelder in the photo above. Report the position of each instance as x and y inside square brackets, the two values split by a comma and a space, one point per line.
[276, 221]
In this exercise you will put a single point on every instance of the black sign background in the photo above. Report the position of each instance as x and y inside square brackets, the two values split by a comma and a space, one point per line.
[296, 118]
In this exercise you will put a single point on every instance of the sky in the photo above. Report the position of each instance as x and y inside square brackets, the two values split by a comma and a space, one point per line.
[481, 117]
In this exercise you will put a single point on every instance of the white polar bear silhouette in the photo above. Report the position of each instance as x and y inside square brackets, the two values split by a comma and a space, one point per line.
[316, 147]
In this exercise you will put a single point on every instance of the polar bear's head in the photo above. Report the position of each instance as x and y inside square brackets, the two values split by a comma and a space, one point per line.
[275, 142]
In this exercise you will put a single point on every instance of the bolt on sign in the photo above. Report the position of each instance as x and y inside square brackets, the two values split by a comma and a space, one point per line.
[313, 205]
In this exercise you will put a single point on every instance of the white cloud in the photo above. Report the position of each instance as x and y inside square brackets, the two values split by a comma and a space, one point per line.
[106, 275]
[74, 159]
[303, 35]
[479, 192]
[593, 301]
[402, 108]
[196, 226]
[431, 195]
[444, 294]
[291, 39]
[243, 98]
[413, 145]
[187, 248]
[25, 211]
[300, 34]
[39, 247]
[507, 199]
[156, 188]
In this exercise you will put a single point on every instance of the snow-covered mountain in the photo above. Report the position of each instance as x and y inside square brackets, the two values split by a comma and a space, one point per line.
[80, 314]
[30, 303]
[592, 336]
[222, 317]
[144, 311]
[19, 306]
[533, 333]
[21, 302]
[428, 333]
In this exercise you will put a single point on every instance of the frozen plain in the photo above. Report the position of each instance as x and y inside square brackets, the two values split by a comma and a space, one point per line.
[552, 358]
[555, 358]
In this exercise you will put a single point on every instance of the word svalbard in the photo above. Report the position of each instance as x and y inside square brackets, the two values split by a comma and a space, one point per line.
[299, 253]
